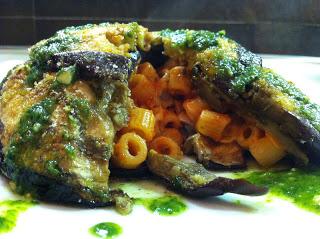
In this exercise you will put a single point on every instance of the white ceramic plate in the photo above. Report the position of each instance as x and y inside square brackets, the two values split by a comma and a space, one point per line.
[228, 216]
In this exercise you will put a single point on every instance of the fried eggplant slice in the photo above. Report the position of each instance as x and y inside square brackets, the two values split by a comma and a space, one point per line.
[231, 79]
[194, 180]
[61, 109]
[94, 64]
[114, 38]
[58, 138]
[276, 105]
[213, 155]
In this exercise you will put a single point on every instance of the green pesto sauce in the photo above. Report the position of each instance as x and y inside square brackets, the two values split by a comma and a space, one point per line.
[300, 186]
[34, 120]
[70, 38]
[190, 39]
[106, 230]
[9, 213]
[35, 74]
[81, 107]
[30, 128]
[164, 206]
[267, 78]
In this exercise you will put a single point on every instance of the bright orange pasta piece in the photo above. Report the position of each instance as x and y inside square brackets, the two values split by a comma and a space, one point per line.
[148, 70]
[212, 124]
[142, 121]
[231, 132]
[194, 107]
[165, 145]
[144, 93]
[130, 151]
[267, 150]
[179, 81]
[249, 134]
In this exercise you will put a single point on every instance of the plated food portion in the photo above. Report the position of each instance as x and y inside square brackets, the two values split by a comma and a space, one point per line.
[98, 102]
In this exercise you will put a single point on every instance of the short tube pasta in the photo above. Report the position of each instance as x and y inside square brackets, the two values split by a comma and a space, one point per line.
[194, 107]
[130, 151]
[144, 93]
[142, 121]
[212, 124]
[179, 83]
[165, 145]
[267, 151]
[148, 70]
[249, 134]
[158, 114]
[231, 133]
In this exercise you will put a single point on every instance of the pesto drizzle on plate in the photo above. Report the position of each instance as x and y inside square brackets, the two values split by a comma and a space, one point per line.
[299, 186]
[106, 230]
[10, 211]
[164, 206]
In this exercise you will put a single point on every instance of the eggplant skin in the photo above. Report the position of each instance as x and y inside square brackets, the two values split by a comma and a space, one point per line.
[51, 190]
[47, 189]
[94, 64]
[194, 180]
[141, 172]
[42, 187]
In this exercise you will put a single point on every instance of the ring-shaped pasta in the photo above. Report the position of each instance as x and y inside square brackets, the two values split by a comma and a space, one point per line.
[167, 146]
[130, 151]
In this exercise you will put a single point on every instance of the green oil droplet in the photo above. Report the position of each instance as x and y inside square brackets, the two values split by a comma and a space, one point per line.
[106, 230]
[299, 186]
[10, 211]
[164, 206]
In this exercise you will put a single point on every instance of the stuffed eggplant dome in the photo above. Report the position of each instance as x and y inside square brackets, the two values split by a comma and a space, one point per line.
[115, 100]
